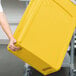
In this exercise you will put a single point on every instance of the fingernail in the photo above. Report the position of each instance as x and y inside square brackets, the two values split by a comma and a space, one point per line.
[13, 50]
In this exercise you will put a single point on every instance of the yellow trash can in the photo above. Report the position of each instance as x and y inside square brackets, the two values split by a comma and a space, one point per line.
[44, 34]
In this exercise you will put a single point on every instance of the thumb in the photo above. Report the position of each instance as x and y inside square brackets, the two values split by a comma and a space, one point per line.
[14, 41]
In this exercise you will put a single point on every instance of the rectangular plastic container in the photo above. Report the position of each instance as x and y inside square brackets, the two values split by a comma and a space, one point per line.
[44, 34]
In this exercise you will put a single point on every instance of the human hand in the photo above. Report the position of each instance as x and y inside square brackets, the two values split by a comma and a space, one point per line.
[12, 46]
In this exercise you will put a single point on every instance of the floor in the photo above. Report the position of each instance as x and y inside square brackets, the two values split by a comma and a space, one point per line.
[9, 64]
[61, 72]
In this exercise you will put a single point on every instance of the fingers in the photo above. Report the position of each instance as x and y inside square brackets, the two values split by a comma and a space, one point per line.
[13, 47]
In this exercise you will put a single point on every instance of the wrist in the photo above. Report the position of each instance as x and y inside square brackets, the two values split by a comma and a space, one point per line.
[11, 38]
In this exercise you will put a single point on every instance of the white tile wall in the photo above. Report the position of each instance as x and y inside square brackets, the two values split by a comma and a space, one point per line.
[14, 10]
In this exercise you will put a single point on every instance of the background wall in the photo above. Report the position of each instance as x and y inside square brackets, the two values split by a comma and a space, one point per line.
[14, 10]
[10, 65]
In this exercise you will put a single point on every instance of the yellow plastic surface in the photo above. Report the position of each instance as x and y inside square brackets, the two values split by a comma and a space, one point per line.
[44, 34]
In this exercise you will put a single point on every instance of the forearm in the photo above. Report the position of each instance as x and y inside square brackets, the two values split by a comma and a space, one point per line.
[5, 26]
